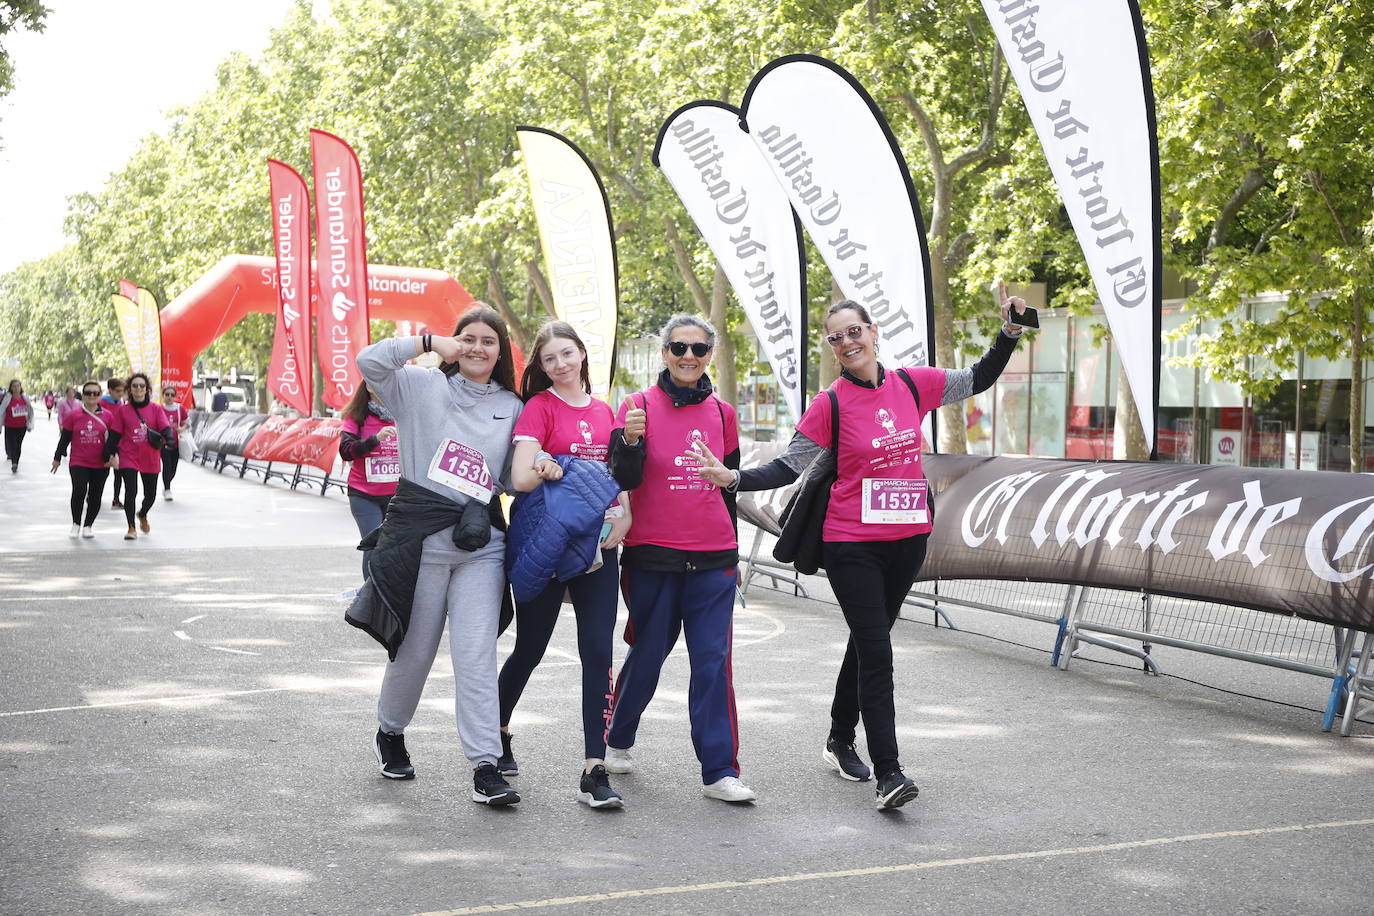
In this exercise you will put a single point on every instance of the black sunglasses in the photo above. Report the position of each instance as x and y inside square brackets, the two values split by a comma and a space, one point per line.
[853, 332]
[679, 348]
[90, 394]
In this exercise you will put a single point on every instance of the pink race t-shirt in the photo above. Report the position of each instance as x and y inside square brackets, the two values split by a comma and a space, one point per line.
[176, 415]
[561, 429]
[88, 438]
[17, 412]
[672, 507]
[378, 472]
[134, 450]
[880, 491]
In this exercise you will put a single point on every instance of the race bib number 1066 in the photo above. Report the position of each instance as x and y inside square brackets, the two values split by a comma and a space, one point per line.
[461, 467]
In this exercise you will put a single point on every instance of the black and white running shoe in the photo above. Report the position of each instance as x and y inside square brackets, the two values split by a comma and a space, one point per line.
[392, 756]
[505, 764]
[489, 787]
[845, 759]
[895, 789]
[595, 790]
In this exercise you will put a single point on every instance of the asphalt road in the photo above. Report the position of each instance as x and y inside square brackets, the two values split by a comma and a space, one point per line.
[185, 728]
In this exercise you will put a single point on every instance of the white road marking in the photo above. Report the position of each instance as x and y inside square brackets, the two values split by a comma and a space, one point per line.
[153, 700]
[894, 869]
[181, 634]
[235, 651]
[195, 618]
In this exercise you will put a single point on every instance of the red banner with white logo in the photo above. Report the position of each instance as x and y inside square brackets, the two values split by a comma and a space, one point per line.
[341, 255]
[291, 376]
[312, 441]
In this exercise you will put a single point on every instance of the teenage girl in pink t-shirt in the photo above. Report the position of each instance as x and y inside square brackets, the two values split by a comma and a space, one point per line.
[85, 430]
[878, 519]
[562, 418]
[680, 555]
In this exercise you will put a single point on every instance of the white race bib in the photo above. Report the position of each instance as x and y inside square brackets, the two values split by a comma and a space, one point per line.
[19, 411]
[462, 468]
[894, 502]
[384, 464]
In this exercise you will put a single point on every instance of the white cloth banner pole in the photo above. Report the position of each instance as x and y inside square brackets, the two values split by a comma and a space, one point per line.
[830, 148]
[748, 222]
[1084, 74]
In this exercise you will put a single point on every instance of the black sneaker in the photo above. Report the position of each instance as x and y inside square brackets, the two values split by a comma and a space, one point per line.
[595, 790]
[845, 760]
[895, 789]
[391, 754]
[505, 764]
[489, 787]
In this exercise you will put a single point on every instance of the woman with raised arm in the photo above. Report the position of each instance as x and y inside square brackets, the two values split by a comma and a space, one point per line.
[439, 555]
[879, 517]
[85, 430]
[368, 442]
[680, 556]
[564, 431]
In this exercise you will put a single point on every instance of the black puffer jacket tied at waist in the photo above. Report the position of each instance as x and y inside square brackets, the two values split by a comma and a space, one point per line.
[382, 607]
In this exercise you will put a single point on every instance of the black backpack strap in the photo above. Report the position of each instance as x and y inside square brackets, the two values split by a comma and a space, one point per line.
[911, 386]
[834, 426]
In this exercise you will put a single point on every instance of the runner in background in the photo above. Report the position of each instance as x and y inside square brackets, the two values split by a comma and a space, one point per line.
[86, 430]
[441, 550]
[70, 403]
[368, 441]
[109, 404]
[562, 418]
[18, 413]
[137, 431]
[878, 519]
[49, 401]
[178, 417]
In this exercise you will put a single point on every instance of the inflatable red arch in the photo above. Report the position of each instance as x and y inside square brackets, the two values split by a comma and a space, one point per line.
[240, 285]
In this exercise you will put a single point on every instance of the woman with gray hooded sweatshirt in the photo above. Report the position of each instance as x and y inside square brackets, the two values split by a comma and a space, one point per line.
[439, 555]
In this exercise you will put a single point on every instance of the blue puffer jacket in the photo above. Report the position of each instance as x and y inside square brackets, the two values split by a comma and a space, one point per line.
[555, 531]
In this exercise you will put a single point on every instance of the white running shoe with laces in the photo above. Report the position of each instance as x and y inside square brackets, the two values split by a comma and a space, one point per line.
[619, 760]
[730, 789]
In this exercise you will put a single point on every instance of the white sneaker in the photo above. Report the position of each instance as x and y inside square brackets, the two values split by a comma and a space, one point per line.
[618, 761]
[167, 494]
[730, 789]
[75, 532]
[86, 532]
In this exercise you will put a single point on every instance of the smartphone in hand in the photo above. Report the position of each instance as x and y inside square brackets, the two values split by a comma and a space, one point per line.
[1028, 319]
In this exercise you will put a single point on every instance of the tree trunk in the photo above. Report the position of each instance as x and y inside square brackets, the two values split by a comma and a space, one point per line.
[724, 376]
[684, 267]
[1128, 439]
[829, 366]
[497, 295]
[540, 285]
[951, 435]
[1357, 386]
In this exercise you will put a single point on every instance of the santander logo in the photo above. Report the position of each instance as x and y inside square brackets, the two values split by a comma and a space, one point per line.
[341, 305]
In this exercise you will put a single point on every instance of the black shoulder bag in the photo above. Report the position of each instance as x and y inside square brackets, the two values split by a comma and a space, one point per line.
[803, 519]
[155, 438]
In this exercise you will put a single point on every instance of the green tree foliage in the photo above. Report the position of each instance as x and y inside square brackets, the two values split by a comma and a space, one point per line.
[17, 14]
[1264, 109]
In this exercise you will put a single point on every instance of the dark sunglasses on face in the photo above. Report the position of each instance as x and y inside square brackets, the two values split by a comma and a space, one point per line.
[90, 394]
[137, 386]
[853, 332]
[679, 348]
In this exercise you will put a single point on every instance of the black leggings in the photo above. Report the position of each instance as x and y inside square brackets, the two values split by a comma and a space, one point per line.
[14, 442]
[131, 478]
[88, 488]
[870, 579]
[169, 468]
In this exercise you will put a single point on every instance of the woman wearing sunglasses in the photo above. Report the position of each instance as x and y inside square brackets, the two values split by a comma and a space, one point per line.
[177, 418]
[138, 428]
[85, 430]
[873, 544]
[679, 556]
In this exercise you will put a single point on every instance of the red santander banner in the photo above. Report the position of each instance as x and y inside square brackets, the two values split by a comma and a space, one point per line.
[291, 376]
[341, 252]
[308, 440]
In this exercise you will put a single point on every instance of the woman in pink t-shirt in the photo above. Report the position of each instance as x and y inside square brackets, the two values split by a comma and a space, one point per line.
[368, 440]
[562, 418]
[878, 519]
[70, 403]
[178, 418]
[18, 414]
[680, 555]
[138, 428]
[85, 430]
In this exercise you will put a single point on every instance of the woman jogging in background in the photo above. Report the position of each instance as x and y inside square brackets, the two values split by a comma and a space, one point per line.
[71, 402]
[18, 413]
[368, 440]
[109, 403]
[680, 556]
[873, 545]
[439, 555]
[177, 418]
[49, 401]
[561, 418]
[85, 430]
[137, 431]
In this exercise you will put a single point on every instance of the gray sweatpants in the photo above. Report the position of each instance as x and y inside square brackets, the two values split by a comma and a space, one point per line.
[464, 588]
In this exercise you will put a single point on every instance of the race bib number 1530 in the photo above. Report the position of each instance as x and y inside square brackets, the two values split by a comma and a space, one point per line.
[463, 468]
